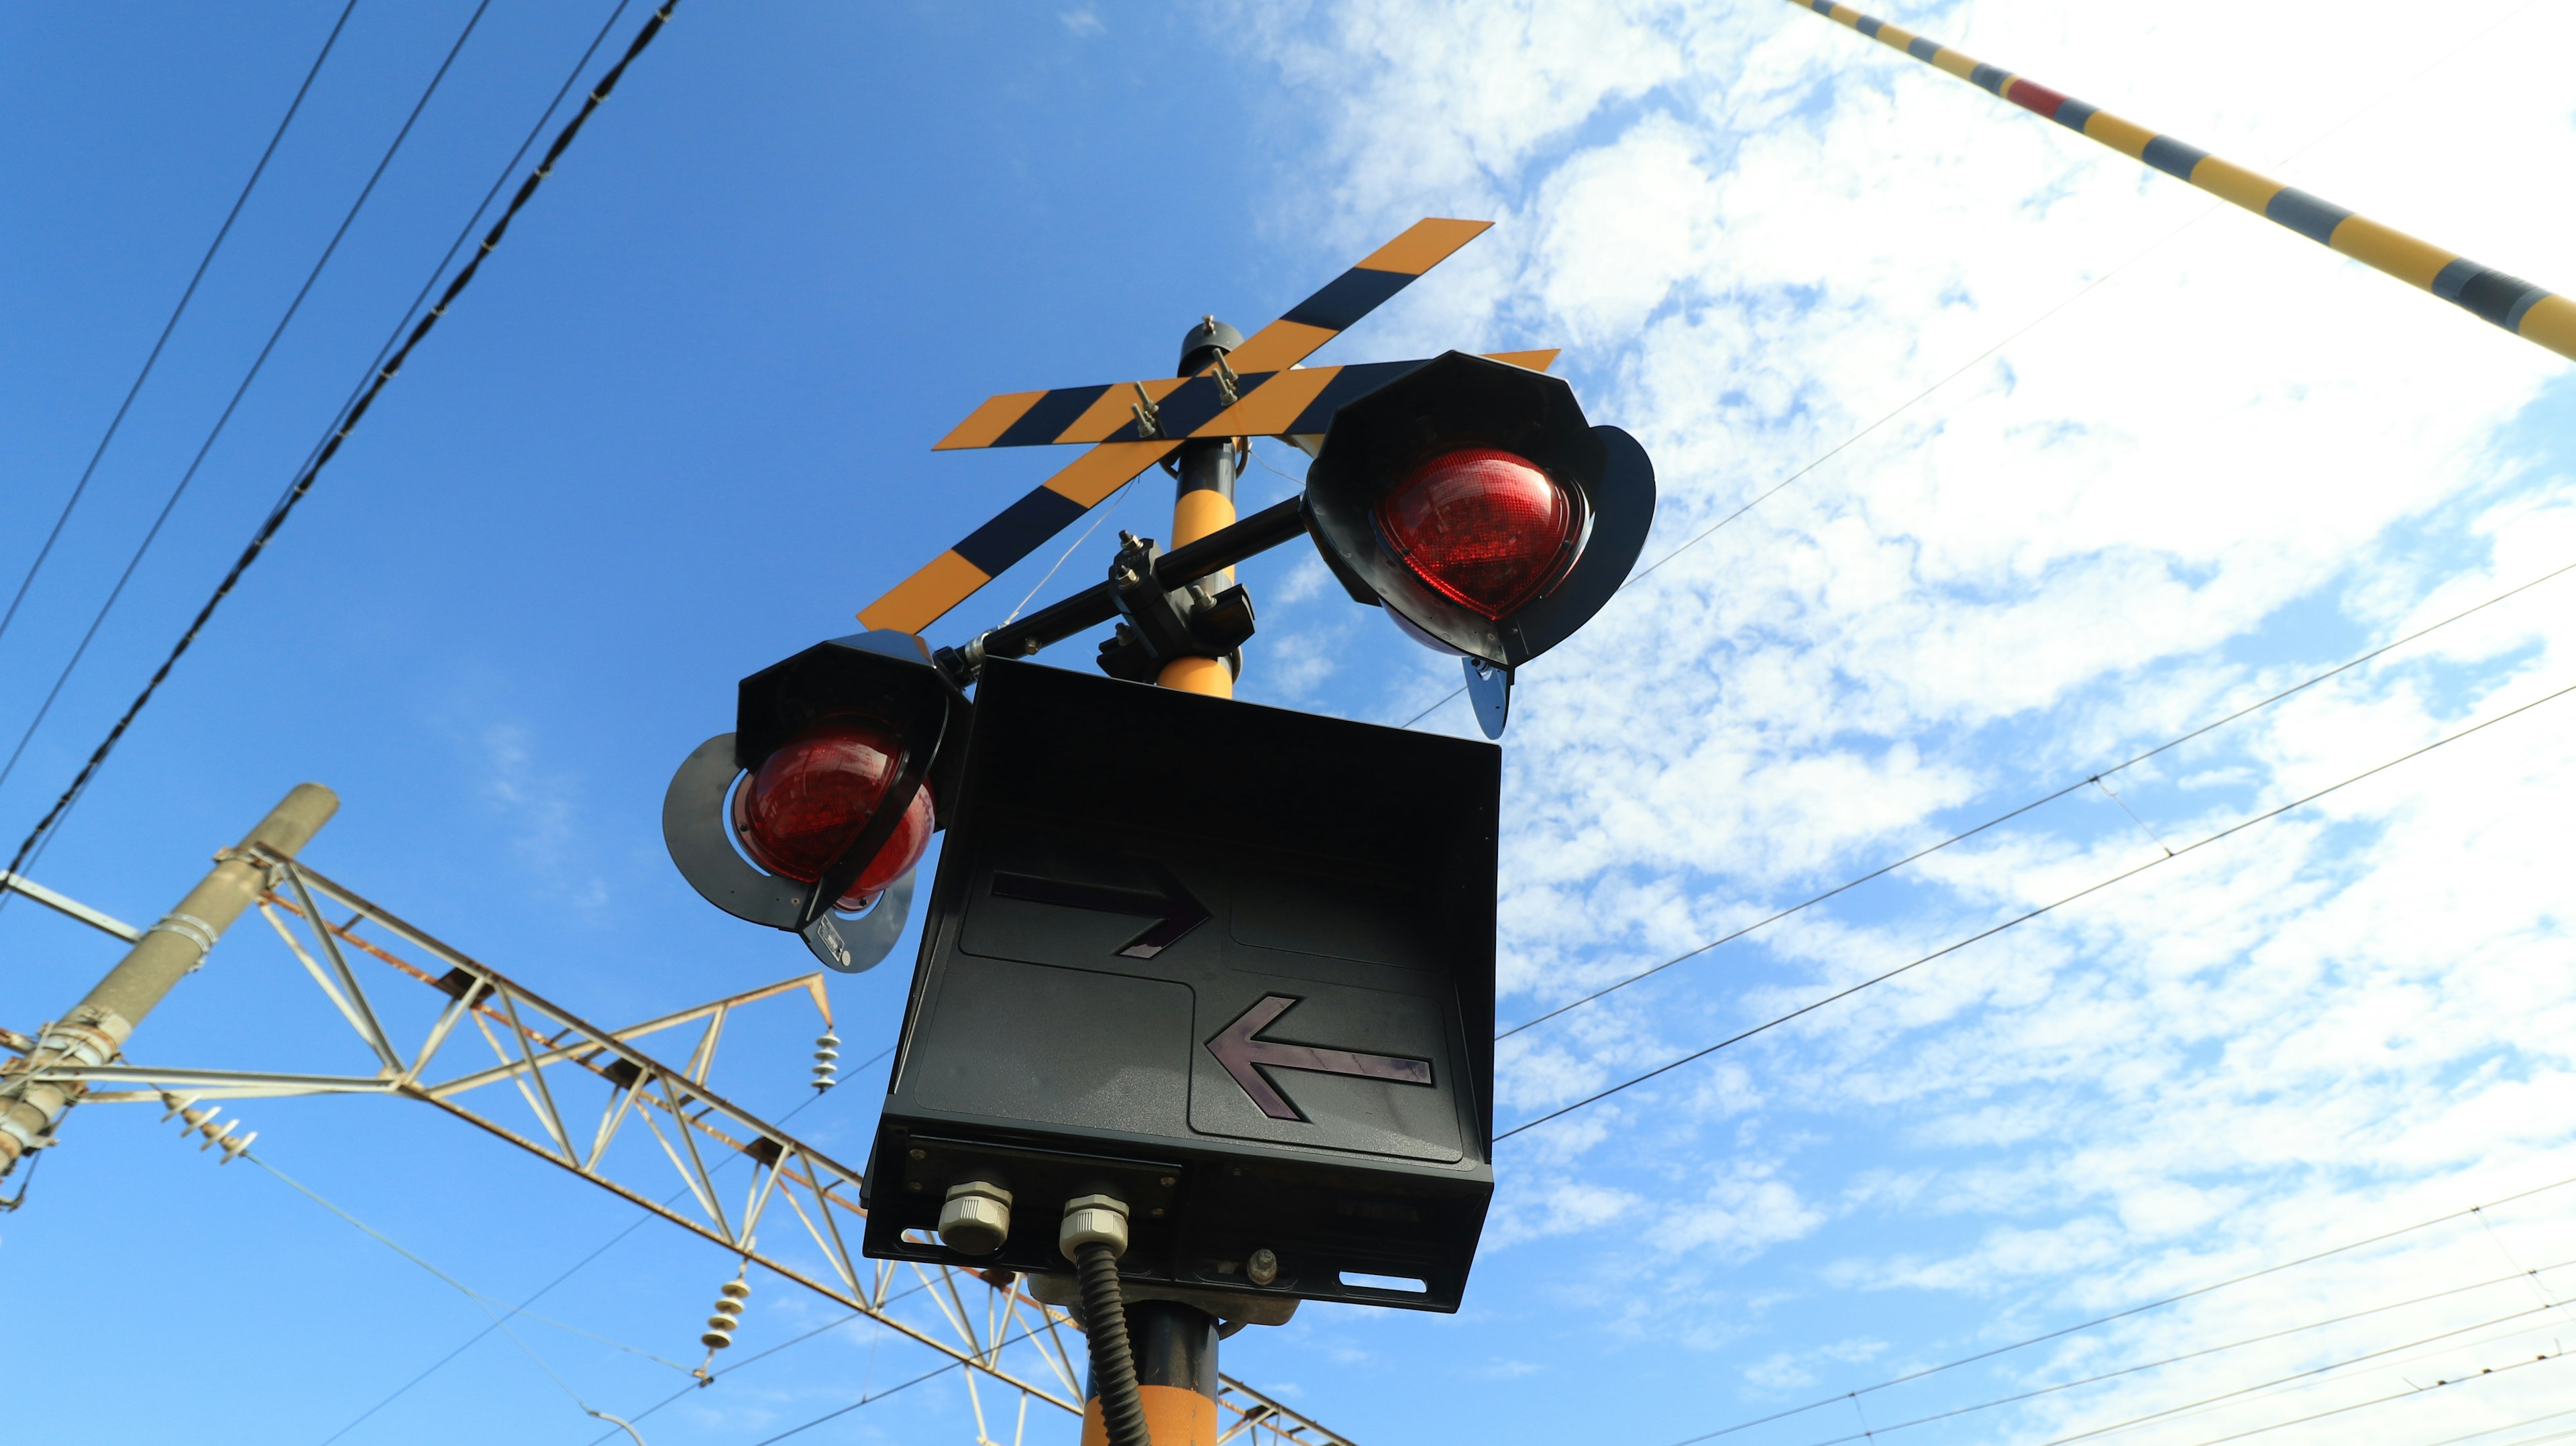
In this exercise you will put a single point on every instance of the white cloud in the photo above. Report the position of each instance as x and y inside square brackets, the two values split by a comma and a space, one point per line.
[2211, 459]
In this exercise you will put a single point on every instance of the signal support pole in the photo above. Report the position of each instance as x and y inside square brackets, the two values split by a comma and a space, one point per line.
[1175, 1344]
[1204, 504]
[96, 1030]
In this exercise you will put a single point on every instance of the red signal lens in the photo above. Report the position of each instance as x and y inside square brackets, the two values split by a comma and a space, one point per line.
[808, 801]
[1484, 527]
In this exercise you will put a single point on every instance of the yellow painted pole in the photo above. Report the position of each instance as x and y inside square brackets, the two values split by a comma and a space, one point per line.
[1204, 504]
[2530, 312]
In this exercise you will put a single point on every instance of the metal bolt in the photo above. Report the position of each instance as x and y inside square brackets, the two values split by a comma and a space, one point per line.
[1170, 1180]
[1262, 1268]
[1156, 1212]
[921, 1154]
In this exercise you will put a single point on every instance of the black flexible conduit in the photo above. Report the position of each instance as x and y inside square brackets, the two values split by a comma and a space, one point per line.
[1113, 1364]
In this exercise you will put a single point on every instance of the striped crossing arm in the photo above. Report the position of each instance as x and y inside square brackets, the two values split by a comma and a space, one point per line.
[2528, 311]
[1120, 453]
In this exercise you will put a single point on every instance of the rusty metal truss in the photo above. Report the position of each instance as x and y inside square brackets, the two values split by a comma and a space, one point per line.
[593, 1102]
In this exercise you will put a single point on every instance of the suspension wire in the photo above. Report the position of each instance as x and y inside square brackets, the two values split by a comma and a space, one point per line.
[330, 448]
[186, 295]
[224, 419]
[2194, 1293]
[1952, 948]
[2006, 817]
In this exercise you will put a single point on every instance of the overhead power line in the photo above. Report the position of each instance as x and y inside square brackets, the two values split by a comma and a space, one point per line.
[224, 419]
[2349, 1246]
[2011, 814]
[2097, 1378]
[1952, 948]
[186, 295]
[322, 456]
[2187, 1407]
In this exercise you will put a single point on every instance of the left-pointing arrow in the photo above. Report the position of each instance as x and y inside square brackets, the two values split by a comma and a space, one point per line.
[1171, 907]
[1243, 1055]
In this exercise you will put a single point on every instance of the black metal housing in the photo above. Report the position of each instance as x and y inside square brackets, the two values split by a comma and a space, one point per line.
[1131, 875]
[1457, 400]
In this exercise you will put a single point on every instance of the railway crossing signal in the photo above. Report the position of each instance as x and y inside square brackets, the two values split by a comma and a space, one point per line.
[843, 753]
[1202, 1020]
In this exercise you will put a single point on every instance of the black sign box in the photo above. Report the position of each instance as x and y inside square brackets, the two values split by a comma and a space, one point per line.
[1233, 964]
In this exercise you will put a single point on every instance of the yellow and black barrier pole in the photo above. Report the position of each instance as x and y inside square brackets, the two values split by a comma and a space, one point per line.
[2530, 312]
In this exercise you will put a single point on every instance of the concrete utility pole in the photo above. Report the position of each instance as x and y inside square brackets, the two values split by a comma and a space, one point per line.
[96, 1030]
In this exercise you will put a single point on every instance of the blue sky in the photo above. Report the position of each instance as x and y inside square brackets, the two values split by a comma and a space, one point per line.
[680, 427]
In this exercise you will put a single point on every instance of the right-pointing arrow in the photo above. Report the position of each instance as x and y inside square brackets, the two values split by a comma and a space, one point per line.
[1243, 1055]
[1173, 910]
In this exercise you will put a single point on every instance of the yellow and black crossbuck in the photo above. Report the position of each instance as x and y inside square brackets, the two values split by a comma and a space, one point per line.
[1257, 390]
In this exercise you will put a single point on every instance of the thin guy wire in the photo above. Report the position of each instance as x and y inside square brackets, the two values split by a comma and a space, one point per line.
[1908, 404]
[2007, 817]
[224, 419]
[2123, 1314]
[185, 296]
[303, 484]
[1102, 515]
[1953, 948]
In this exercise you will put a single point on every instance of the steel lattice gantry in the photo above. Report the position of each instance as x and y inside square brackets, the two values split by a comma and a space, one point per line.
[593, 1102]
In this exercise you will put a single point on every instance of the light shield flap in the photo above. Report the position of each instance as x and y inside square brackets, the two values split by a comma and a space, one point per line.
[1459, 401]
[1231, 963]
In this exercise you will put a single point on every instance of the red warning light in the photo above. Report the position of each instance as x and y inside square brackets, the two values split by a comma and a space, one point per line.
[1484, 527]
[809, 799]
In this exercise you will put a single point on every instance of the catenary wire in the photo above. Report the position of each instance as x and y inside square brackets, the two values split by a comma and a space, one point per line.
[349, 420]
[2126, 1312]
[2508, 1426]
[865, 1398]
[2489, 1373]
[2018, 332]
[2101, 1376]
[186, 294]
[499, 1322]
[2007, 817]
[569, 1271]
[224, 418]
[1954, 947]
[2190, 1407]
